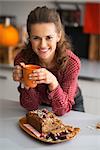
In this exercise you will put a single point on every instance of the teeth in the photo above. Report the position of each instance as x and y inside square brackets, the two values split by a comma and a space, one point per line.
[43, 50]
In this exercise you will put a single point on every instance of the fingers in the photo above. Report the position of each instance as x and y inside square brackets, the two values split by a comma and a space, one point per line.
[39, 75]
[17, 67]
[22, 64]
[17, 73]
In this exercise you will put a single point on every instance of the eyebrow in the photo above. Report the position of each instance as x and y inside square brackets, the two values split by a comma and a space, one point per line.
[41, 37]
[33, 36]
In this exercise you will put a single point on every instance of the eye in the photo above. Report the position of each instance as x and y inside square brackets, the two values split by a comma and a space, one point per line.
[35, 38]
[49, 37]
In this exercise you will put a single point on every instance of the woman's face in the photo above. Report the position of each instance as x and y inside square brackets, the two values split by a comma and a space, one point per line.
[44, 38]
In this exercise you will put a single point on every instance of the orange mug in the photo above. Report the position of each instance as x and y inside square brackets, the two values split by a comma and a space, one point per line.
[28, 69]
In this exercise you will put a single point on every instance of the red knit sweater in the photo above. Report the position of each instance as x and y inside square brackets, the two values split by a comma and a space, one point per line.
[62, 98]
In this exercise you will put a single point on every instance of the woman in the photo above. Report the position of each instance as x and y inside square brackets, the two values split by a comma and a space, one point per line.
[57, 78]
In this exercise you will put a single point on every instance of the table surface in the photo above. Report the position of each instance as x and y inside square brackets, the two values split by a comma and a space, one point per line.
[90, 69]
[13, 138]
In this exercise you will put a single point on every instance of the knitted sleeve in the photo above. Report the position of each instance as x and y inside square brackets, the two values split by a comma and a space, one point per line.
[63, 96]
[29, 99]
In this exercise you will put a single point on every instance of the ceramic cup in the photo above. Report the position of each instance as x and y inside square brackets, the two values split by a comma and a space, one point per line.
[28, 69]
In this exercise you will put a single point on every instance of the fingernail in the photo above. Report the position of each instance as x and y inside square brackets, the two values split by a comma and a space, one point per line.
[34, 71]
[30, 77]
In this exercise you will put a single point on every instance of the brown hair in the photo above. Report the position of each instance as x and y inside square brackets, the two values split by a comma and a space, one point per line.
[46, 15]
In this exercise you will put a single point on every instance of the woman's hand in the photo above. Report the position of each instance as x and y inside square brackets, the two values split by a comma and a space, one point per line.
[17, 73]
[42, 75]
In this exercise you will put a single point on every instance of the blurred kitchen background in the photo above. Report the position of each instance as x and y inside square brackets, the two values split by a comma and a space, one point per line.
[81, 21]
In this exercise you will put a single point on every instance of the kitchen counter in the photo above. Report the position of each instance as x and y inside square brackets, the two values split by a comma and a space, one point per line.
[6, 66]
[13, 138]
[90, 70]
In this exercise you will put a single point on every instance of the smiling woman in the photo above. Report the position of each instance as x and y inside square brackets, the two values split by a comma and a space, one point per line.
[44, 42]
[57, 76]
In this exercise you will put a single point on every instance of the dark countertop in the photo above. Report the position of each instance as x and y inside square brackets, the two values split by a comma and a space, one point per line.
[6, 66]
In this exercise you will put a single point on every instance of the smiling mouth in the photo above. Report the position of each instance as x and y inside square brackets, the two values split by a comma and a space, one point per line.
[43, 50]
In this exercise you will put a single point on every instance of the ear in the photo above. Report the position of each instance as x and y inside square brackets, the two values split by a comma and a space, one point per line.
[58, 36]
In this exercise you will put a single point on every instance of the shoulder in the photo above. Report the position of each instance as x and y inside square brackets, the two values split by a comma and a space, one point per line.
[19, 57]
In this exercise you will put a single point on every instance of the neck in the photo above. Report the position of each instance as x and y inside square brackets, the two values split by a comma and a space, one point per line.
[47, 63]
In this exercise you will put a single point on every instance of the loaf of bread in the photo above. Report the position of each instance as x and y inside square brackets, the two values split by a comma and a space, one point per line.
[49, 125]
[43, 120]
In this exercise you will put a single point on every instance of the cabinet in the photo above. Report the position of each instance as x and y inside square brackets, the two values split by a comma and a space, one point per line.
[8, 87]
[91, 94]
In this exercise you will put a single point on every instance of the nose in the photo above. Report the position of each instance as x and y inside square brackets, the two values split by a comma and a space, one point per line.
[43, 43]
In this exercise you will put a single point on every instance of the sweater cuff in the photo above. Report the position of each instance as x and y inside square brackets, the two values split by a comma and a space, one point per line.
[22, 88]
